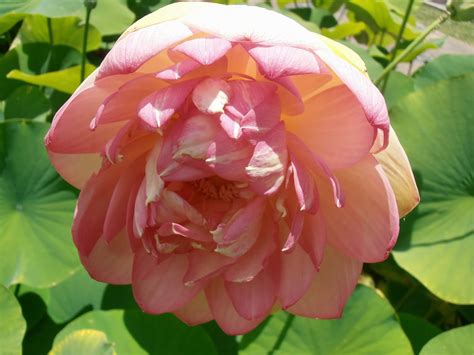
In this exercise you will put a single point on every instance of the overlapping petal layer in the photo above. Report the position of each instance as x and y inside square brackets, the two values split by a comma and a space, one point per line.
[227, 167]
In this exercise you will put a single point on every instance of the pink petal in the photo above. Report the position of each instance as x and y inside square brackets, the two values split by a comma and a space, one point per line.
[204, 264]
[162, 289]
[195, 136]
[262, 118]
[278, 61]
[177, 204]
[267, 167]
[140, 214]
[156, 109]
[76, 169]
[297, 271]
[250, 264]
[154, 183]
[316, 165]
[122, 104]
[188, 230]
[296, 229]
[229, 157]
[204, 50]
[91, 209]
[364, 90]
[335, 127]
[230, 124]
[134, 49]
[224, 312]
[306, 191]
[178, 70]
[133, 240]
[115, 219]
[313, 238]
[253, 299]
[330, 288]
[195, 312]
[369, 216]
[247, 94]
[110, 262]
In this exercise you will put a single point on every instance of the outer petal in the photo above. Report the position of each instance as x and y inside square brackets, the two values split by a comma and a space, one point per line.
[330, 287]
[253, 299]
[397, 168]
[110, 263]
[362, 87]
[224, 312]
[366, 227]
[129, 53]
[195, 312]
[313, 238]
[335, 127]
[297, 271]
[204, 50]
[161, 288]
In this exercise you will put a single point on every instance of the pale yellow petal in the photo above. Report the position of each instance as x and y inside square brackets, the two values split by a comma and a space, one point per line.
[397, 168]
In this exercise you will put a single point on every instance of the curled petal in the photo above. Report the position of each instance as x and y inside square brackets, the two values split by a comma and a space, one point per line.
[211, 95]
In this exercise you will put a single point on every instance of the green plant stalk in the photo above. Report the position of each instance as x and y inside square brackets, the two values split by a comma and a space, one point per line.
[84, 42]
[406, 16]
[411, 47]
[281, 337]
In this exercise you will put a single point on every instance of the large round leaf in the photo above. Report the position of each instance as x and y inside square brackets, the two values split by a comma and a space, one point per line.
[85, 341]
[134, 332]
[368, 326]
[74, 294]
[453, 342]
[436, 243]
[12, 324]
[36, 209]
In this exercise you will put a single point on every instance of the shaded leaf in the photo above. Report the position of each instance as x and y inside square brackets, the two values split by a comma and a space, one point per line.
[12, 324]
[368, 326]
[454, 341]
[36, 209]
[84, 342]
[27, 102]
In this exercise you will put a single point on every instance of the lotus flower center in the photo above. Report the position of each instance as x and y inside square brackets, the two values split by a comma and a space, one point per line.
[215, 188]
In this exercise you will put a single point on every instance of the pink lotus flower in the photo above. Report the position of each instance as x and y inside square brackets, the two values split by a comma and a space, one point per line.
[231, 164]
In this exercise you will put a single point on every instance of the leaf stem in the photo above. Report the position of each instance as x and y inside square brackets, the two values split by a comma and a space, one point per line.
[282, 335]
[89, 5]
[411, 47]
[406, 16]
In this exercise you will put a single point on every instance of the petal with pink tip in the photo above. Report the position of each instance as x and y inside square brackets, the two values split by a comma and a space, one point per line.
[131, 51]
[297, 224]
[161, 289]
[335, 127]
[253, 299]
[369, 216]
[204, 264]
[177, 204]
[330, 287]
[156, 109]
[297, 271]
[204, 50]
[247, 94]
[267, 167]
[224, 312]
[195, 312]
[278, 61]
[110, 262]
[262, 118]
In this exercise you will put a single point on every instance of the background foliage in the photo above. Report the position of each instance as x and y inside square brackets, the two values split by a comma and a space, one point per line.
[420, 300]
